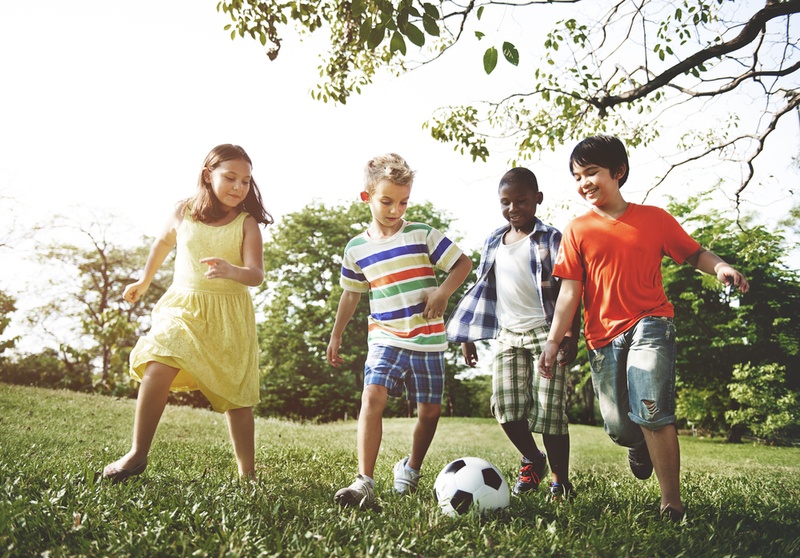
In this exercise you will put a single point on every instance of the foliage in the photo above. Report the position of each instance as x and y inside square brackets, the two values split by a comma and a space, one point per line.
[619, 67]
[767, 406]
[86, 316]
[188, 502]
[7, 307]
[298, 300]
[716, 330]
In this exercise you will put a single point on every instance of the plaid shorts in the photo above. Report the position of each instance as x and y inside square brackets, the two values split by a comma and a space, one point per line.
[518, 390]
[421, 373]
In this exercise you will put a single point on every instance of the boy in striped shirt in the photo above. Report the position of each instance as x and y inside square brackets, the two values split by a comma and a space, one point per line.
[394, 261]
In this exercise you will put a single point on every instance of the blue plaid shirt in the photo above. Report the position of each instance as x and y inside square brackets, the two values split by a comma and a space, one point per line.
[475, 316]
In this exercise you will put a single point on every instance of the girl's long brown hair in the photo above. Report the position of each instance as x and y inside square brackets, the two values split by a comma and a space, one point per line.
[206, 208]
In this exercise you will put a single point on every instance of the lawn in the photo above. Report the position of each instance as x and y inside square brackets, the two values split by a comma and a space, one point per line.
[743, 500]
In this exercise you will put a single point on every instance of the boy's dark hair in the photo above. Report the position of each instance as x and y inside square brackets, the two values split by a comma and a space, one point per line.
[604, 151]
[520, 176]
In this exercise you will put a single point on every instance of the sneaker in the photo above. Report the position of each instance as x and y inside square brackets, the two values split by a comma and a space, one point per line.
[405, 478]
[360, 494]
[639, 460]
[530, 474]
[562, 491]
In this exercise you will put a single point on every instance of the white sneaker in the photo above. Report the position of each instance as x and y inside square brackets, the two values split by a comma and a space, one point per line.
[405, 479]
[360, 494]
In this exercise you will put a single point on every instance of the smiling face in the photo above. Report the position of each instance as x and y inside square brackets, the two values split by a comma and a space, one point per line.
[597, 185]
[388, 203]
[230, 181]
[518, 203]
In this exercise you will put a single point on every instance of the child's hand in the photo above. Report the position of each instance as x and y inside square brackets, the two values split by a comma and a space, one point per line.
[435, 305]
[134, 291]
[548, 359]
[729, 276]
[470, 354]
[333, 352]
[217, 268]
[567, 351]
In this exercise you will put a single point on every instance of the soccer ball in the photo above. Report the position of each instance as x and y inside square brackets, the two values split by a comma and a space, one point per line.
[470, 482]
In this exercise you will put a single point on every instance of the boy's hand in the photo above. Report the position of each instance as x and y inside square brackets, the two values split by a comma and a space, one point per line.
[435, 305]
[548, 359]
[333, 352]
[470, 354]
[567, 351]
[729, 276]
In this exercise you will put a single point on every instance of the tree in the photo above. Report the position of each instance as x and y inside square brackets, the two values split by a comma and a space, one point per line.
[85, 314]
[719, 331]
[298, 302]
[7, 307]
[639, 70]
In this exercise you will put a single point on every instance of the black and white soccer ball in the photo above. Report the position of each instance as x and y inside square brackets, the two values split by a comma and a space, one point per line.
[470, 482]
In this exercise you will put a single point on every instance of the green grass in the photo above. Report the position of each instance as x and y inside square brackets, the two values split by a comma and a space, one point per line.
[743, 500]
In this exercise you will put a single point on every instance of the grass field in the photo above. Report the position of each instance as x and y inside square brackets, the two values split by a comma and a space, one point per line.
[743, 500]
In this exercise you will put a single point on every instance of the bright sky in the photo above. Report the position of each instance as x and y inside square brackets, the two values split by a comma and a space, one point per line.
[110, 108]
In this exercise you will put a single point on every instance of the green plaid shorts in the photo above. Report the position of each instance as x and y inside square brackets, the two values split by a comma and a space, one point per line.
[518, 390]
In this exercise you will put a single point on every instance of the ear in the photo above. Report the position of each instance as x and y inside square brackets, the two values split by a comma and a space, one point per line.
[206, 176]
[364, 196]
[620, 172]
[539, 197]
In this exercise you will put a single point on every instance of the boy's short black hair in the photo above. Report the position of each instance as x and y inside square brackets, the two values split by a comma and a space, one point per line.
[522, 177]
[604, 151]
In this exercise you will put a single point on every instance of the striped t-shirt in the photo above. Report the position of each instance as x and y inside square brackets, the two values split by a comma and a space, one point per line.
[398, 273]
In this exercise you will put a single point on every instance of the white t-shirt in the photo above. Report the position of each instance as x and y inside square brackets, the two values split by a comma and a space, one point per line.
[519, 307]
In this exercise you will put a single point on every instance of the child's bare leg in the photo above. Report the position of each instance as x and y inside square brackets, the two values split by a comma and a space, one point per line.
[427, 419]
[150, 403]
[370, 427]
[241, 427]
[520, 435]
[666, 456]
[558, 454]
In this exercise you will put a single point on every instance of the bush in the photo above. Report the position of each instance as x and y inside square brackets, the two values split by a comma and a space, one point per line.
[769, 409]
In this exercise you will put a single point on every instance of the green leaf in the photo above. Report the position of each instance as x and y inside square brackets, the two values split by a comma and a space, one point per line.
[431, 10]
[490, 60]
[398, 44]
[414, 34]
[511, 53]
[480, 12]
[375, 38]
[430, 25]
[479, 35]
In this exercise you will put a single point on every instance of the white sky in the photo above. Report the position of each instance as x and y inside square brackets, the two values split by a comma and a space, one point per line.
[110, 107]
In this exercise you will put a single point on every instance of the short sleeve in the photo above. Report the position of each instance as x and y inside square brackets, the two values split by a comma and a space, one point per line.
[569, 262]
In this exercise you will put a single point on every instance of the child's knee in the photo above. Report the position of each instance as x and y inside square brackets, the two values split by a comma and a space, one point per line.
[429, 411]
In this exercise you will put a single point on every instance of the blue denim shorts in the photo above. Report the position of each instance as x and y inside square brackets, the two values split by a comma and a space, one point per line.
[634, 380]
[421, 373]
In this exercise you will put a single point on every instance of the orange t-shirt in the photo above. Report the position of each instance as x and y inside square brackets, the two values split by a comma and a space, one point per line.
[619, 263]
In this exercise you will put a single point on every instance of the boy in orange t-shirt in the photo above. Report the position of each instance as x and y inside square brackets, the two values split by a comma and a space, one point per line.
[611, 257]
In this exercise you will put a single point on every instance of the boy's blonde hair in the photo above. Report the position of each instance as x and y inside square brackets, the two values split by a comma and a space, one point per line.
[391, 167]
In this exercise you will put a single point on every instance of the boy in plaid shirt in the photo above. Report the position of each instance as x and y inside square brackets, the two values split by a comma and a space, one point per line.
[513, 303]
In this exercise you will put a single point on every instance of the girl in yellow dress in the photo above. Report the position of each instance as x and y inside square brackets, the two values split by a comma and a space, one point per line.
[203, 333]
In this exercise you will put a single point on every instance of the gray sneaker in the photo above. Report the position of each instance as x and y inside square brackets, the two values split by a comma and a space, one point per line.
[359, 494]
[405, 480]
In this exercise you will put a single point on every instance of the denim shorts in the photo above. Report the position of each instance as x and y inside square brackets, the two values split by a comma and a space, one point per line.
[420, 372]
[634, 380]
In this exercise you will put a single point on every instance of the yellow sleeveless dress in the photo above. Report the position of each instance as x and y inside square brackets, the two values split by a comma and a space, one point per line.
[205, 327]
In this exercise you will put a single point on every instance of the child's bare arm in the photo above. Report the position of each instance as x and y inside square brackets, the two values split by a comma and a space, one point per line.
[569, 300]
[347, 307]
[158, 253]
[708, 262]
[568, 348]
[436, 301]
[252, 272]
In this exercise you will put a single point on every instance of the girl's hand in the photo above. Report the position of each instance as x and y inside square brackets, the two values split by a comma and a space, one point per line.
[134, 291]
[218, 268]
